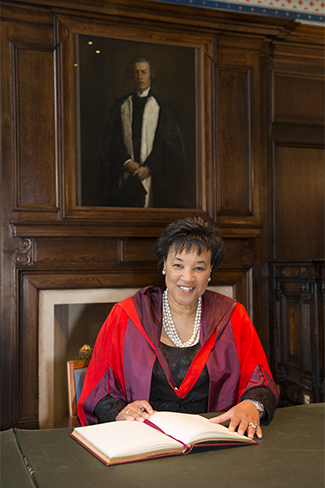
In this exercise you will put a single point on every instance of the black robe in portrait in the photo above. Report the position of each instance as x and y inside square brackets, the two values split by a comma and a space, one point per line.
[166, 161]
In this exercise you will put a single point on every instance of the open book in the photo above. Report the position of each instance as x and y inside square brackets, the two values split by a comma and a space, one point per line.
[165, 434]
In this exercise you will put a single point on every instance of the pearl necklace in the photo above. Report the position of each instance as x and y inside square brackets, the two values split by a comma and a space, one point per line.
[170, 328]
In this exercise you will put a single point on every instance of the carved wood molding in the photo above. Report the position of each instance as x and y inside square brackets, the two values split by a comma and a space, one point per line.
[24, 255]
[173, 14]
[130, 226]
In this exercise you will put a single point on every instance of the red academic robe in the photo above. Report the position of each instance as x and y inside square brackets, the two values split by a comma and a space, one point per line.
[128, 345]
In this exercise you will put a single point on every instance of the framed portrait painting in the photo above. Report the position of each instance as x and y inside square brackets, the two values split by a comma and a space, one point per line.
[138, 112]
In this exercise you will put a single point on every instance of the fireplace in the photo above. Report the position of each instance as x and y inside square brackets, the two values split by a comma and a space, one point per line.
[68, 319]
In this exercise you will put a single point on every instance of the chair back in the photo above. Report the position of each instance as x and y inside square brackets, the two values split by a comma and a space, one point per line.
[76, 372]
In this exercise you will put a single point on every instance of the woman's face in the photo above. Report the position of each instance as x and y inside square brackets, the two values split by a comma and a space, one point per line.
[187, 275]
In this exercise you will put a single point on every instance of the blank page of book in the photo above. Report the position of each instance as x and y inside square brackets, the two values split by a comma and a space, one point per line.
[190, 428]
[120, 439]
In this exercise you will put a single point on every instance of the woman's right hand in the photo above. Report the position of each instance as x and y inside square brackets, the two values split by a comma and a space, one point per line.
[139, 410]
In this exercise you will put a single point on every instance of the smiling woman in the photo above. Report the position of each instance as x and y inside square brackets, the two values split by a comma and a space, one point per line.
[187, 269]
[187, 276]
[184, 349]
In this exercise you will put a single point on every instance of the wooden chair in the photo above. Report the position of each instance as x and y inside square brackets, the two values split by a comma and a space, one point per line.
[76, 371]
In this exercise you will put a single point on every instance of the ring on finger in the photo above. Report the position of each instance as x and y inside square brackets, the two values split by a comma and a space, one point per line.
[127, 412]
[253, 425]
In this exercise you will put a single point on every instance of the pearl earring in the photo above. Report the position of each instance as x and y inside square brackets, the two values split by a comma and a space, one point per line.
[209, 279]
[164, 271]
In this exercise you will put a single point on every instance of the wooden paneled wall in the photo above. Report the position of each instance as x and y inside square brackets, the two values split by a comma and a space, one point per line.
[259, 156]
[298, 176]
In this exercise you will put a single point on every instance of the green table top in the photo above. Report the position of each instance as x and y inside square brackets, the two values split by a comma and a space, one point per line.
[290, 455]
[13, 470]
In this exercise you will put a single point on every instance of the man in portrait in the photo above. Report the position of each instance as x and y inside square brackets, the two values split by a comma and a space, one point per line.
[143, 163]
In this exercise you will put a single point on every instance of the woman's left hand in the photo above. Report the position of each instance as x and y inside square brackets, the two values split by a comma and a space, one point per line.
[244, 416]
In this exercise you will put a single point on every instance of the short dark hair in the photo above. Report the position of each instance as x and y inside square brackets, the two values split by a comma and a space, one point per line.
[141, 59]
[188, 233]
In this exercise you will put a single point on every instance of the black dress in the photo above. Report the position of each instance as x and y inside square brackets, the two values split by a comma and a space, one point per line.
[162, 396]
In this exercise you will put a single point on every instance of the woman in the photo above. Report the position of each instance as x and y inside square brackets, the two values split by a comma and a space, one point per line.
[184, 349]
